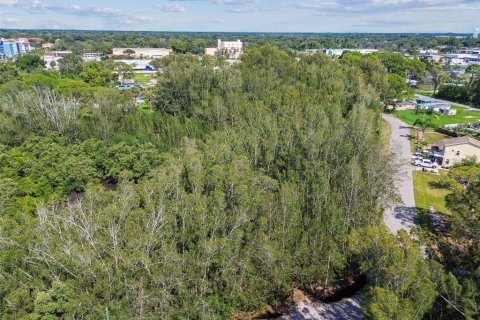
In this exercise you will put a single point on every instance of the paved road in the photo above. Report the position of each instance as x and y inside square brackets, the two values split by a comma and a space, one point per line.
[402, 216]
[451, 102]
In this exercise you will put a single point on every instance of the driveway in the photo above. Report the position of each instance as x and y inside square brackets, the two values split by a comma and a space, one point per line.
[402, 216]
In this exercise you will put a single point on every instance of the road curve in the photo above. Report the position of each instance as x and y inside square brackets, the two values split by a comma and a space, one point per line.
[401, 216]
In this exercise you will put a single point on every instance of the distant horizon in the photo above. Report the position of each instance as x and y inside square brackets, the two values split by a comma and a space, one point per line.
[2, 29]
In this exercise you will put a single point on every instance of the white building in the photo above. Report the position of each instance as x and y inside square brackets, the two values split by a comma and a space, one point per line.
[152, 53]
[91, 56]
[338, 52]
[138, 64]
[476, 32]
[211, 52]
[54, 56]
[425, 52]
[24, 45]
[230, 49]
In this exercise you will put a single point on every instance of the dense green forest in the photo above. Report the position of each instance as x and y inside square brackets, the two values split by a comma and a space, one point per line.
[195, 42]
[239, 184]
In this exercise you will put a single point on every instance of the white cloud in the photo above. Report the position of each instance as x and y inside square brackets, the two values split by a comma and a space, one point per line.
[377, 6]
[111, 15]
[174, 7]
[244, 10]
[234, 2]
[11, 20]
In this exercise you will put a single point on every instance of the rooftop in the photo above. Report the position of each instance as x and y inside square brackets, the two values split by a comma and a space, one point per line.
[459, 140]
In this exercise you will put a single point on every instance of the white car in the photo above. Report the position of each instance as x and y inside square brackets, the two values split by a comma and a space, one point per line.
[426, 163]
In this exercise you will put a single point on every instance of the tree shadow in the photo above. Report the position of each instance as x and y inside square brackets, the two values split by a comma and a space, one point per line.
[407, 215]
[343, 310]
[408, 136]
[435, 222]
[438, 184]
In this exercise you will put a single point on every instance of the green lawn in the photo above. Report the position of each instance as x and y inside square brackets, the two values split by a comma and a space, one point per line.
[434, 137]
[430, 138]
[424, 87]
[429, 190]
[142, 79]
[462, 116]
[428, 93]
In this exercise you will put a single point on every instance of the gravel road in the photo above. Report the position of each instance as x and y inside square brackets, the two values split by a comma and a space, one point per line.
[403, 216]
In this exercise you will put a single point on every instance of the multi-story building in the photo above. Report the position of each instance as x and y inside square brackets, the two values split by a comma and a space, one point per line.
[230, 49]
[11, 48]
[23, 45]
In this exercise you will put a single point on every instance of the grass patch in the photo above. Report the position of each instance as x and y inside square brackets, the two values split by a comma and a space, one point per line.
[145, 107]
[424, 87]
[434, 137]
[142, 79]
[431, 137]
[429, 190]
[412, 140]
[386, 131]
[428, 93]
[462, 116]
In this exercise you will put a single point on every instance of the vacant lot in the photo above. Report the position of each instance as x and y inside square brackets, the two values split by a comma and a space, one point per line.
[429, 190]
[462, 116]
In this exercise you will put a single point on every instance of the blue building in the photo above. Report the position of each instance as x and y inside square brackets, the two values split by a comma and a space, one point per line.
[10, 48]
[2, 51]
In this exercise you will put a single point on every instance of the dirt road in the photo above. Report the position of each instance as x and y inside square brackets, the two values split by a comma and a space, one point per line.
[403, 216]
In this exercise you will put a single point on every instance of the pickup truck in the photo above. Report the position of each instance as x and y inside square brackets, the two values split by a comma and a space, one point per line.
[426, 163]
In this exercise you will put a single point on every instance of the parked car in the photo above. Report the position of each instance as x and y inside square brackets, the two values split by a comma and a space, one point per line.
[418, 153]
[124, 87]
[426, 163]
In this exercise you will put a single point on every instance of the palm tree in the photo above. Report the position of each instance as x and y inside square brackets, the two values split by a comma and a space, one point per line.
[424, 123]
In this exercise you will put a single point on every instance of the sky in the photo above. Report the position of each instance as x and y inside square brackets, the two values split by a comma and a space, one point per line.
[460, 16]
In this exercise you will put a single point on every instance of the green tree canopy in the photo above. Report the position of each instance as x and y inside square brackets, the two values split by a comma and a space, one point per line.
[71, 65]
[30, 62]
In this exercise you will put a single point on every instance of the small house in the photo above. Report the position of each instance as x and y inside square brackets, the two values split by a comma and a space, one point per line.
[435, 105]
[455, 150]
[406, 105]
